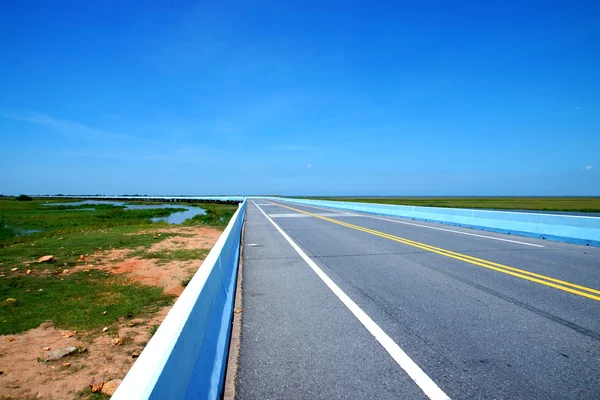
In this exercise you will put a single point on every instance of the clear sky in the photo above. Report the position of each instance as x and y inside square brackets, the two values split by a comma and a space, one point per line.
[305, 97]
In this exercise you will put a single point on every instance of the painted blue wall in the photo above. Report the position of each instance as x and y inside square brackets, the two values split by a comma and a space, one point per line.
[565, 228]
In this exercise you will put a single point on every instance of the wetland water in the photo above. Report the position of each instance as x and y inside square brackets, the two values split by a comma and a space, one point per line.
[174, 218]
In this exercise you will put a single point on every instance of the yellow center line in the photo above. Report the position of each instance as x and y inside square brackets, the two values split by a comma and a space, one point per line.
[505, 269]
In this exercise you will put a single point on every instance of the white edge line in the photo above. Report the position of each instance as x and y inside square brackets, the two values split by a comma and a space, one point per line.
[427, 385]
[428, 227]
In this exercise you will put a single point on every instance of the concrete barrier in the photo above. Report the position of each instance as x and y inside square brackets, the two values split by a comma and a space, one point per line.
[564, 228]
[187, 356]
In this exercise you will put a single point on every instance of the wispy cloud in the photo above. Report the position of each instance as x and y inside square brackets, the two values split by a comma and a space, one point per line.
[587, 168]
[309, 166]
[103, 144]
[66, 127]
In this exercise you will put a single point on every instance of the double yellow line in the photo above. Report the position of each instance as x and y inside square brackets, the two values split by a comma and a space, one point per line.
[505, 269]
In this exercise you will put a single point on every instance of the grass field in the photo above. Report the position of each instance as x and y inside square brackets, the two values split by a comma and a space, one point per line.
[76, 300]
[578, 204]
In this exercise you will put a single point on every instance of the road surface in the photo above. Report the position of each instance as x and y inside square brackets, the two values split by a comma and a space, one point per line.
[347, 305]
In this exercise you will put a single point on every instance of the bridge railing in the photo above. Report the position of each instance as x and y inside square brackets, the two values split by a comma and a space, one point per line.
[564, 228]
[187, 356]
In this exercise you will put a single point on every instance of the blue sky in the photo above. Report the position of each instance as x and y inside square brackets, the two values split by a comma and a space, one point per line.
[308, 97]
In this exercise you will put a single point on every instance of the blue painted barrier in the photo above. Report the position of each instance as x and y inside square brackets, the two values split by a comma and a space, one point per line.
[187, 356]
[564, 228]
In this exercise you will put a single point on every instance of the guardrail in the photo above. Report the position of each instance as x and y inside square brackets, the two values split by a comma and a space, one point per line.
[187, 356]
[564, 228]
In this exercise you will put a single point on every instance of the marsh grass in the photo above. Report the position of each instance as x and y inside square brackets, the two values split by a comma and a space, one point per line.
[76, 300]
[6, 233]
[63, 220]
[217, 215]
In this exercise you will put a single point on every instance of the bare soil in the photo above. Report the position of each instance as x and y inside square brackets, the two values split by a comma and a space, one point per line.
[24, 374]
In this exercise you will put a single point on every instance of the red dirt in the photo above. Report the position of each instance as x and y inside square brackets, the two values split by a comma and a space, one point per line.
[24, 377]
[145, 271]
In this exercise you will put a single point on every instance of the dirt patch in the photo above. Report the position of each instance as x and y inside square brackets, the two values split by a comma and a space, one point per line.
[168, 276]
[26, 375]
[104, 355]
[203, 238]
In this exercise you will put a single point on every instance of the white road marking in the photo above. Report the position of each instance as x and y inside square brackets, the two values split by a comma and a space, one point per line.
[427, 385]
[298, 215]
[429, 227]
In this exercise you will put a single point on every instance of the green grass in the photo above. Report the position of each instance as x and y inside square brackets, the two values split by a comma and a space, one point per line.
[77, 300]
[62, 220]
[68, 250]
[68, 231]
[74, 301]
[217, 215]
[56, 221]
[577, 204]
[153, 329]
[6, 233]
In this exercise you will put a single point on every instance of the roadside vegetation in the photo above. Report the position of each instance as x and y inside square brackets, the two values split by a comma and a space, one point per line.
[65, 289]
[217, 215]
[78, 301]
[574, 204]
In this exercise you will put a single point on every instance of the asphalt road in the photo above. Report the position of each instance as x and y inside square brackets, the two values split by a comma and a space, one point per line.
[407, 309]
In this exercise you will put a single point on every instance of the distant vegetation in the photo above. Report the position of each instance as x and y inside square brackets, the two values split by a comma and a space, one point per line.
[576, 204]
[24, 197]
[67, 219]
[216, 215]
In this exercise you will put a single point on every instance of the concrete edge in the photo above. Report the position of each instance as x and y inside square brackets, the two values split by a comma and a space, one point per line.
[235, 347]
[143, 377]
